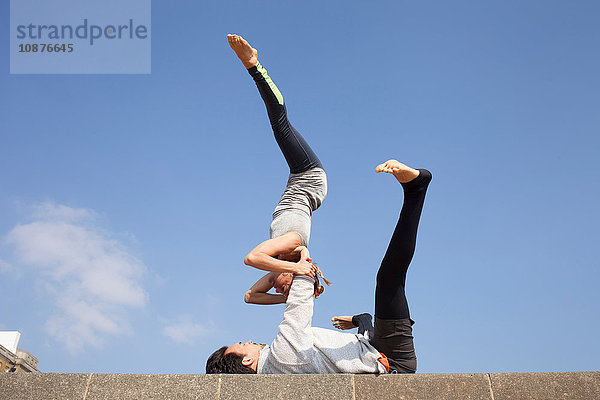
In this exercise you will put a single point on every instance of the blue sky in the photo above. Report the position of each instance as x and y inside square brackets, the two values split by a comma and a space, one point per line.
[128, 202]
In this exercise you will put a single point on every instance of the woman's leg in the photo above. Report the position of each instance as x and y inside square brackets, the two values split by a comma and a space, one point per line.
[298, 154]
[393, 326]
[306, 188]
[296, 151]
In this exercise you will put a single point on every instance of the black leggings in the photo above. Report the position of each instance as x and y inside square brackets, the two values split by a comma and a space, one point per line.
[297, 152]
[390, 300]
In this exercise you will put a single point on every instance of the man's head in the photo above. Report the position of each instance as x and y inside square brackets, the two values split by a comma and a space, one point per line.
[240, 358]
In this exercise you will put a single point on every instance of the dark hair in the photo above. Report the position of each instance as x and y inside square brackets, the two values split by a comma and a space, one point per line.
[319, 289]
[221, 363]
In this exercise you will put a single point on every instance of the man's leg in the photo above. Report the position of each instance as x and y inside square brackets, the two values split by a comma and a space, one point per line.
[364, 323]
[306, 188]
[393, 332]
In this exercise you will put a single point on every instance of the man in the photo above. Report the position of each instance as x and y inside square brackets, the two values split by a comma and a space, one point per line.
[386, 347]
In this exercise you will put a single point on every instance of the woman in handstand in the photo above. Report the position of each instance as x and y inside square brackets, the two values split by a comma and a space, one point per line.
[285, 253]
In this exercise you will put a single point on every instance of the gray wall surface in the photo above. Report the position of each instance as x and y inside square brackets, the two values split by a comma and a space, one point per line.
[514, 386]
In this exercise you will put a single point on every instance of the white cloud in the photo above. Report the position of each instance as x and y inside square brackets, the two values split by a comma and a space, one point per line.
[92, 278]
[58, 212]
[185, 330]
[6, 268]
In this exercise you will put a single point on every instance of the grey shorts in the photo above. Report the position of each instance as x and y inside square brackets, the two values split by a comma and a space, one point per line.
[304, 193]
[393, 337]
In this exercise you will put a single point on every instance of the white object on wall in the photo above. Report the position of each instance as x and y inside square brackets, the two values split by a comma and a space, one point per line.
[10, 340]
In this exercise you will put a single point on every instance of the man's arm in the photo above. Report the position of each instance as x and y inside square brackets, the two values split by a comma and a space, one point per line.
[294, 342]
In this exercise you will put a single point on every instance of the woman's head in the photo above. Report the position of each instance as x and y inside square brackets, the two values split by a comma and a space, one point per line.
[282, 282]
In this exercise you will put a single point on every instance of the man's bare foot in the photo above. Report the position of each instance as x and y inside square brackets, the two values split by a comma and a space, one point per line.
[246, 53]
[402, 172]
[343, 322]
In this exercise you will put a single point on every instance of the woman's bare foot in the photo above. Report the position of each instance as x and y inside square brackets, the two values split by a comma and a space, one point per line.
[343, 322]
[246, 53]
[402, 172]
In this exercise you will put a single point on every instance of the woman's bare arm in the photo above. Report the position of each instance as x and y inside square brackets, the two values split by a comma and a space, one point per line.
[263, 256]
[264, 298]
[257, 294]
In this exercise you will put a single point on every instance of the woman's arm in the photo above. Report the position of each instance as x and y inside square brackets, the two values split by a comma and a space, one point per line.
[257, 294]
[263, 256]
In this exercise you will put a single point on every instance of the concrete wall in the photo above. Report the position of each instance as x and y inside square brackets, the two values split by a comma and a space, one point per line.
[547, 385]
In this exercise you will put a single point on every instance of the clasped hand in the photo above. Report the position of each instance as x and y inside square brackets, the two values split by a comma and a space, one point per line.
[305, 266]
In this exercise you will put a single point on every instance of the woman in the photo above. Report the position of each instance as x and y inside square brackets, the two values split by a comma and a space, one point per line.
[285, 254]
